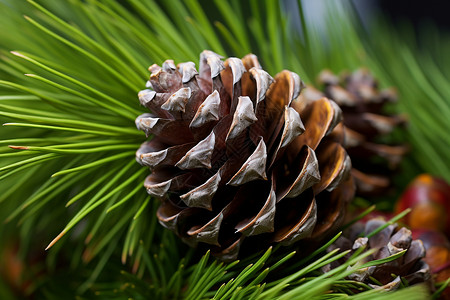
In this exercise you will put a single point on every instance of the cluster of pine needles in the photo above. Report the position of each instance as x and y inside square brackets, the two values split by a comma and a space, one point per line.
[70, 72]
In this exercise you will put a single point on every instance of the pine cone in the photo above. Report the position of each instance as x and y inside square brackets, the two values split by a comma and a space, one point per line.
[231, 158]
[366, 124]
[410, 267]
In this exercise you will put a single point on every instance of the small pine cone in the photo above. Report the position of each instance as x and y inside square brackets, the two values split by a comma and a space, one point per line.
[233, 156]
[391, 240]
[366, 124]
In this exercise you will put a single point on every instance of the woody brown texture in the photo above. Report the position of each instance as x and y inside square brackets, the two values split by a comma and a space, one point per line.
[234, 156]
[367, 125]
[410, 268]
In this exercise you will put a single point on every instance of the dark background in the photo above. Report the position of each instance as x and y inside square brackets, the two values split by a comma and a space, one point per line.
[417, 12]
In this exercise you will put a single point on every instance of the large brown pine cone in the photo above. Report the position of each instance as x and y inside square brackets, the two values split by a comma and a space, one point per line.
[366, 125]
[391, 240]
[233, 156]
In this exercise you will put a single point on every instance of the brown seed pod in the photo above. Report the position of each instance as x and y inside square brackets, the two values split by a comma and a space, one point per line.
[235, 157]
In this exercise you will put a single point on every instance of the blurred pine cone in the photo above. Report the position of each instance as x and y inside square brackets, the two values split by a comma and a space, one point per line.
[234, 156]
[366, 125]
[391, 240]
[438, 256]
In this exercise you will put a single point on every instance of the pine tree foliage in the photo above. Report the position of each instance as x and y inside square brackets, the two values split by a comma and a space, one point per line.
[68, 176]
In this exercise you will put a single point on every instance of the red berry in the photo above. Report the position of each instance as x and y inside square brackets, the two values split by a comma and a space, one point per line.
[429, 199]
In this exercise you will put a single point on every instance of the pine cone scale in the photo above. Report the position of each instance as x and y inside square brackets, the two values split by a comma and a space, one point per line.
[291, 226]
[301, 174]
[335, 166]
[319, 118]
[202, 195]
[162, 128]
[165, 157]
[253, 168]
[264, 220]
[159, 183]
[278, 97]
